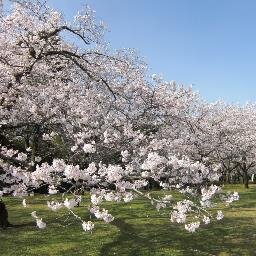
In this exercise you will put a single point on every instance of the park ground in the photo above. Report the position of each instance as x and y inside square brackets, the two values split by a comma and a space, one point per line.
[138, 229]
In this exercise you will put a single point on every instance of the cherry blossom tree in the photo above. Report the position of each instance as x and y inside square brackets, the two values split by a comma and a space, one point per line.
[236, 133]
[116, 129]
[225, 134]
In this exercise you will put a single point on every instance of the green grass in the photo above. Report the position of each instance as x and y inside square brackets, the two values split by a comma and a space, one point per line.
[137, 230]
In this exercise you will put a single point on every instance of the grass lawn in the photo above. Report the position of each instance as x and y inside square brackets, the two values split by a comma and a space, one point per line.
[138, 229]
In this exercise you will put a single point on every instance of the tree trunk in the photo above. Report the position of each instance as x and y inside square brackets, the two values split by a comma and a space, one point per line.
[35, 141]
[245, 179]
[228, 177]
[245, 174]
[26, 141]
[34, 144]
[4, 223]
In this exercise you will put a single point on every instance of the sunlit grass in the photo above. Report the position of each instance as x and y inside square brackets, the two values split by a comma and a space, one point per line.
[137, 230]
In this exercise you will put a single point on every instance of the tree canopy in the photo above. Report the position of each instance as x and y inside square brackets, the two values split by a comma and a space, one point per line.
[76, 115]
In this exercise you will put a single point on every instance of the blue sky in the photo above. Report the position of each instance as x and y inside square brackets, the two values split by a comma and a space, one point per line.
[208, 43]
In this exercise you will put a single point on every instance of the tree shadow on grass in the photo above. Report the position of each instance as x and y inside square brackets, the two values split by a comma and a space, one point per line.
[126, 234]
[22, 225]
[17, 226]
[223, 238]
